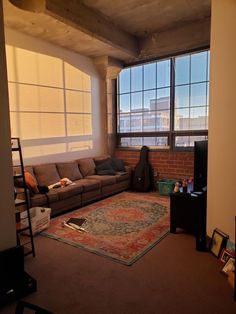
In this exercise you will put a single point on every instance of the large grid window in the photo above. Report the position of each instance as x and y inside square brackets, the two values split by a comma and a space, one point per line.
[164, 103]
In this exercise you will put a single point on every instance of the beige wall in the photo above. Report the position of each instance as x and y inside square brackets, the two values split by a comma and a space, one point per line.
[7, 221]
[61, 145]
[222, 119]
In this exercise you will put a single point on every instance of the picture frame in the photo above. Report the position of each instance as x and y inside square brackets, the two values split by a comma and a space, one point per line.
[229, 266]
[225, 255]
[218, 242]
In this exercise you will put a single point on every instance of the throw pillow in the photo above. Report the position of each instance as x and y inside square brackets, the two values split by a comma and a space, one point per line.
[31, 182]
[105, 168]
[117, 164]
[102, 159]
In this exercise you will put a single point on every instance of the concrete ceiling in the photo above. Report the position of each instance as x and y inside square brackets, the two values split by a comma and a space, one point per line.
[127, 30]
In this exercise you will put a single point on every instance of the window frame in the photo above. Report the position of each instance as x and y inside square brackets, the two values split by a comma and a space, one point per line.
[171, 134]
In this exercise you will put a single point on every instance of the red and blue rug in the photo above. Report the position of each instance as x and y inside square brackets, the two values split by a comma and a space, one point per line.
[122, 227]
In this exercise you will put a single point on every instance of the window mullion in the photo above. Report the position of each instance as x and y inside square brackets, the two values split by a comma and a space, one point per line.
[172, 101]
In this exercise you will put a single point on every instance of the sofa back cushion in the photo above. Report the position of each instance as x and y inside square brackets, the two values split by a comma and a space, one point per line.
[46, 174]
[69, 170]
[86, 166]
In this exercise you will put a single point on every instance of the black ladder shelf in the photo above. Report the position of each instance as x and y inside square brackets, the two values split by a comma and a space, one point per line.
[21, 200]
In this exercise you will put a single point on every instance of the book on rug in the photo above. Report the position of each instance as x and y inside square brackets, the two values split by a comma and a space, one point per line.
[73, 226]
[76, 221]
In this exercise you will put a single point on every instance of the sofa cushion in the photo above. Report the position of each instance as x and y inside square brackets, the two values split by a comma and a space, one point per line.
[123, 177]
[69, 191]
[86, 166]
[46, 174]
[105, 180]
[69, 170]
[89, 184]
[38, 200]
[52, 196]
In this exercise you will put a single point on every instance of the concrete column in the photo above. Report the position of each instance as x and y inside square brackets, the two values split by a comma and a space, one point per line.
[7, 208]
[109, 69]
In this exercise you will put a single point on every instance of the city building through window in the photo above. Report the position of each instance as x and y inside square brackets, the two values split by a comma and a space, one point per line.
[164, 104]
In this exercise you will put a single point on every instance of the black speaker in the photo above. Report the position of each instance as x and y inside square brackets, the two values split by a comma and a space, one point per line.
[15, 283]
[11, 264]
[200, 165]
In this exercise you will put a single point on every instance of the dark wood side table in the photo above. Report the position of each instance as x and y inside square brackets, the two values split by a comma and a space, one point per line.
[188, 211]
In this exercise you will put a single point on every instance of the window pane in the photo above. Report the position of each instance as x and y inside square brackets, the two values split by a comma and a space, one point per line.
[188, 141]
[182, 119]
[207, 115]
[149, 141]
[136, 141]
[182, 96]
[163, 73]
[125, 103]
[207, 100]
[163, 120]
[158, 142]
[124, 123]
[136, 78]
[163, 99]
[198, 118]
[150, 100]
[198, 95]
[124, 81]
[208, 65]
[136, 122]
[162, 141]
[182, 141]
[150, 76]
[125, 141]
[136, 101]
[182, 70]
[199, 67]
[193, 139]
[149, 121]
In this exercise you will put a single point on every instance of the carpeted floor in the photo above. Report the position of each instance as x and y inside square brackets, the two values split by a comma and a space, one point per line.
[172, 278]
[122, 227]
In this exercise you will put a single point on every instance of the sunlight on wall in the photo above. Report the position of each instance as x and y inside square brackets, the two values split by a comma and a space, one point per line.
[50, 102]
[57, 148]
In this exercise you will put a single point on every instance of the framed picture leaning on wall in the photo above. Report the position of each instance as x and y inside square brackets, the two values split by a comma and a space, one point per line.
[218, 242]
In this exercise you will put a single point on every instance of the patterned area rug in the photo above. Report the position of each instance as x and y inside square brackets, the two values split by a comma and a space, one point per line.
[122, 227]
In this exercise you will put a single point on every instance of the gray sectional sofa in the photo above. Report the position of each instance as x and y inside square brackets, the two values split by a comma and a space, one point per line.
[87, 185]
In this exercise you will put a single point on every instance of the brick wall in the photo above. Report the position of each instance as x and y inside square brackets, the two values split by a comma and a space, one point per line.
[170, 165]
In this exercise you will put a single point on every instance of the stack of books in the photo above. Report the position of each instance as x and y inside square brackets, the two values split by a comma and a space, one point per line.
[75, 224]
